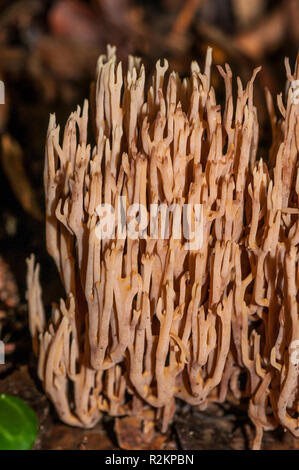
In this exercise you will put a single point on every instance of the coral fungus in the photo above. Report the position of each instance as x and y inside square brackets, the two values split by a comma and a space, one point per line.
[147, 321]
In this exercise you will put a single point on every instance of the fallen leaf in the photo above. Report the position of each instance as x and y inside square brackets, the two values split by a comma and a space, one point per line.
[8, 288]
[133, 435]
[13, 166]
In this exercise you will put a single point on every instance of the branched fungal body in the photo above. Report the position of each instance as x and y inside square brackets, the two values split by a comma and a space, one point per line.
[146, 321]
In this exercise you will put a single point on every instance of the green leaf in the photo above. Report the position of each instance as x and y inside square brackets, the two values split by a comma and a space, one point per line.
[18, 424]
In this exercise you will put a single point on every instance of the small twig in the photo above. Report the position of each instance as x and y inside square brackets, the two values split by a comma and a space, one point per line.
[185, 17]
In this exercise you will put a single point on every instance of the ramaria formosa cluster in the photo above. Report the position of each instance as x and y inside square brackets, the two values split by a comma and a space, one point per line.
[145, 321]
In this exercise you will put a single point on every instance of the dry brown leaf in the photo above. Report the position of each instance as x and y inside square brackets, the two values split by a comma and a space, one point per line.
[13, 166]
[75, 20]
[133, 435]
[8, 287]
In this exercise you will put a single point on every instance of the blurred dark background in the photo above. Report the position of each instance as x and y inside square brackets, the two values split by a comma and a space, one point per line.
[48, 52]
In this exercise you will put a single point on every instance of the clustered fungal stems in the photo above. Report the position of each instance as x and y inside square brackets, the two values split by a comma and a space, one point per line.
[146, 322]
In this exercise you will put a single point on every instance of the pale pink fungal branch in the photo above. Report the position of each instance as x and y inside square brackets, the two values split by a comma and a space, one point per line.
[147, 321]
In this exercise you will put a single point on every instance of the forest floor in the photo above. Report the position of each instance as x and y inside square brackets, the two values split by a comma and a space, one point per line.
[48, 52]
